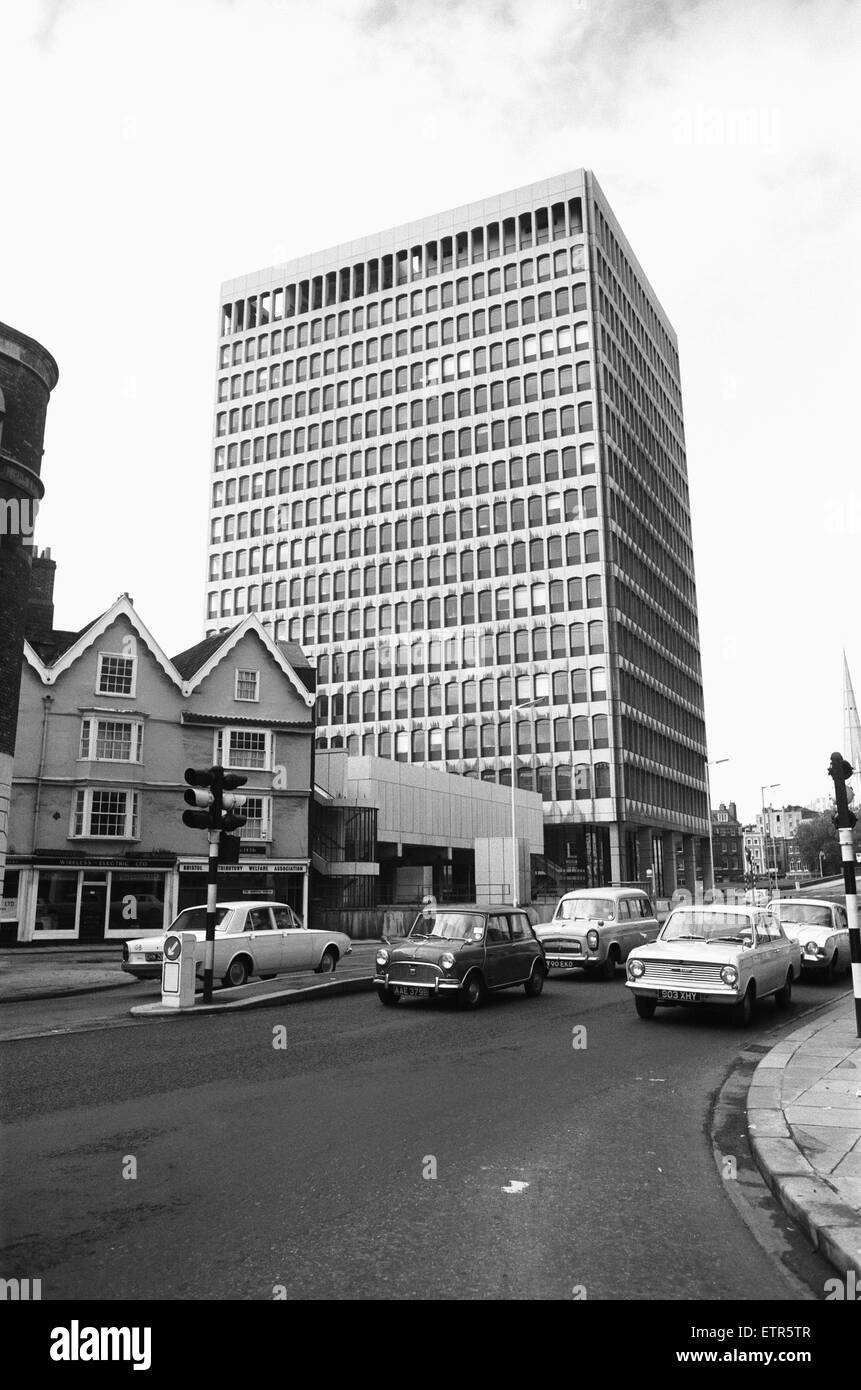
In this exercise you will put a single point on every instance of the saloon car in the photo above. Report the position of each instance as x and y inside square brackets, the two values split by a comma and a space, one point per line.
[251, 938]
[726, 956]
[596, 929]
[822, 930]
[461, 952]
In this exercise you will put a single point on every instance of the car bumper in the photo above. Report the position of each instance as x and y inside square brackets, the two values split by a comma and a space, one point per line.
[148, 970]
[695, 994]
[426, 988]
[815, 962]
[557, 960]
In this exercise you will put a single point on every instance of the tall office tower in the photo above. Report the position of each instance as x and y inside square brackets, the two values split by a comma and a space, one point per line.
[449, 462]
[28, 375]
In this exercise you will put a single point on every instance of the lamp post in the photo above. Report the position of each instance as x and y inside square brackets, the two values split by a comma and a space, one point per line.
[767, 788]
[821, 857]
[515, 865]
[713, 763]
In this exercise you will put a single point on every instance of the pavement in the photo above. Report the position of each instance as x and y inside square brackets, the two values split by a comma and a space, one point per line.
[804, 1127]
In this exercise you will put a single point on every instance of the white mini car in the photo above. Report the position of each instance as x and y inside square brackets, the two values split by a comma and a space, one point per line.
[251, 938]
[729, 956]
[822, 929]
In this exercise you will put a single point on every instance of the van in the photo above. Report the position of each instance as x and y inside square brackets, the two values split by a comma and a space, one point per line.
[595, 929]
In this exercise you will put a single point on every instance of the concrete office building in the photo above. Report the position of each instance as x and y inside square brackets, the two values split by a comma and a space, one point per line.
[449, 461]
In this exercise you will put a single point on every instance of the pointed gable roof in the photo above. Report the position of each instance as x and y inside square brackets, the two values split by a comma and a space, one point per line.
[213, 650]
[82, 641]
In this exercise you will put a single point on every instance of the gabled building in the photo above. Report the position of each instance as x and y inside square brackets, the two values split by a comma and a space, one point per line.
[727, 842]
[107, 725]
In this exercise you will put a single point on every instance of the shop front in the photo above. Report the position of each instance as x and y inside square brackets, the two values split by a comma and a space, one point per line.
[79, 899]
[278, 880]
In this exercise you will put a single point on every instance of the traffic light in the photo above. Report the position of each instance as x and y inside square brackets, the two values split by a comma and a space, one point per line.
[211, 792]
[838, 771]
[231, 817]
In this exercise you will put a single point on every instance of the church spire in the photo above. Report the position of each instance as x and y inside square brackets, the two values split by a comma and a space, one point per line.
[851, 724]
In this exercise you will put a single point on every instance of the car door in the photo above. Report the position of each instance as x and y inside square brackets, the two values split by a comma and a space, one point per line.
[648, 925]
[523, 952]
[498, 952]
[840, 923]
[626, 928]
[773, 957]
[296, 944]
[262, 940]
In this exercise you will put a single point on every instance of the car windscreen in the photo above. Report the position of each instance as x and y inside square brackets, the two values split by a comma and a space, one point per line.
[808, 913]
[194, 919]
[448, 926]
[586, 909]
[706, 924]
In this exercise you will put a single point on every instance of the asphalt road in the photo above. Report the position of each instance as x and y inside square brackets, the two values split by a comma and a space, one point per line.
[559, 1169]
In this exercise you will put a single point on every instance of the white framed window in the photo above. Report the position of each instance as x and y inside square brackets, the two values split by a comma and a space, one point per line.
[111, 740]
[244, 748]
[117, 674]
[258, 813]
[247, 685]
[105, 814]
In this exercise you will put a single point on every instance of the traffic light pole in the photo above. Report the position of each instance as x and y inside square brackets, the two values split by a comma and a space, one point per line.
[844, 820]
[211, 900]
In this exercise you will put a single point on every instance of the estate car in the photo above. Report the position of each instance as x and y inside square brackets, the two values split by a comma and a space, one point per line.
[596, 929]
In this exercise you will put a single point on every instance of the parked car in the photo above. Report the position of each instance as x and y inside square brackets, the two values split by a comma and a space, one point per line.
[728, 956]
[464, 952]
[822, 929]
[597, 928]
[251, 938]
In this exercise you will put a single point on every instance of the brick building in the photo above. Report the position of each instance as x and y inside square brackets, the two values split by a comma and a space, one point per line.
[28, 374]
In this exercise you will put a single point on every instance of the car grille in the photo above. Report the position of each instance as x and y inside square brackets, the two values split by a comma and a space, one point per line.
[560, 945]
[405, 972]
[678, 973]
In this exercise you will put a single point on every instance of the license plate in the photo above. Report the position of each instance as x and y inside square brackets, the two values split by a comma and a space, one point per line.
[679, 996]
[152, 955]
[560, 960]
[410, 989]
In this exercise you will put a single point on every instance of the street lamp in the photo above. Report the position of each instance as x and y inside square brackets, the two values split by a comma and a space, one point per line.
[821, 857]
[713, 763]
[765, 853]
[515, 865]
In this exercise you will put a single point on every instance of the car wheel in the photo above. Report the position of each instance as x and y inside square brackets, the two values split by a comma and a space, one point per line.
[832, 970]
[327, 962]
[742, 1012]
[237, 974]
[607, 971]
[783, 997]
[645, 1007]
[387, 996]
[472, 993]
[535, 984]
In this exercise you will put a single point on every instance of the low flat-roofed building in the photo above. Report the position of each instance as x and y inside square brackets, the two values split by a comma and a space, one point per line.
[390, 831]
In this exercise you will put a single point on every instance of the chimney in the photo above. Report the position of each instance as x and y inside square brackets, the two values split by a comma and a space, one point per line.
[40, 608]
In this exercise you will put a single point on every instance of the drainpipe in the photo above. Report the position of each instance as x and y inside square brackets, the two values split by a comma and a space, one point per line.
[47, 701]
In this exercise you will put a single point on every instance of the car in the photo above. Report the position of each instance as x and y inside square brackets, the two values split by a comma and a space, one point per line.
[595, 929]
[822, 929]
[464, 952]
[251, 938]
[725, 956]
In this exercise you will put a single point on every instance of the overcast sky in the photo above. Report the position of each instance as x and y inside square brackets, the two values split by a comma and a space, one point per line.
[155, 149]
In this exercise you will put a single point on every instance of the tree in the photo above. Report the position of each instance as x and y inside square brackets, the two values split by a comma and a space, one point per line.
[817, 834]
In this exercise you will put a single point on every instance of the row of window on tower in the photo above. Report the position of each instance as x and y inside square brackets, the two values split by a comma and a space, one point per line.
[426, 260]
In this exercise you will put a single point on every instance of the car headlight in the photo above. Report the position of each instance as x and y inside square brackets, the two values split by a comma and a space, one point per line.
[729, 975]
[382, 958]
[636, 968]
[446, 960]
[592, 940]
[812, 948]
